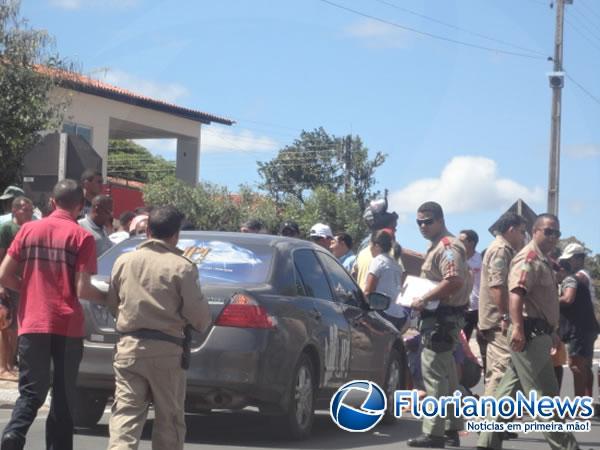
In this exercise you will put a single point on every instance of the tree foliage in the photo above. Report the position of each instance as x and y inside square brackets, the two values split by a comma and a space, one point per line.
[319, 160]
[131, 161]
[212, 207]
[26, 107]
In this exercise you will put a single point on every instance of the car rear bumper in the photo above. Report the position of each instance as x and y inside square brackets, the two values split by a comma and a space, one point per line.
[233, 368]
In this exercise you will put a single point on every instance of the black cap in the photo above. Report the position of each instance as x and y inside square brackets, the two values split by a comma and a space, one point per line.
[289, 225]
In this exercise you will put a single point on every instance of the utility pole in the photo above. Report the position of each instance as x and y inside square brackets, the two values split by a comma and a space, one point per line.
[557, 80]
[347, 152]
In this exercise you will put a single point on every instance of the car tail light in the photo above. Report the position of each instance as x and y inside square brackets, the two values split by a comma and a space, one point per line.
[244, 312]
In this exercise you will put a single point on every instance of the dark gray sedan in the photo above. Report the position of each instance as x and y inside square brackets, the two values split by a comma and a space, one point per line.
[290, 326]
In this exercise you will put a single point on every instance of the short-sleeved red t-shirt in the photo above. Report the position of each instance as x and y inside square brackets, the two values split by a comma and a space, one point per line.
[50, 252]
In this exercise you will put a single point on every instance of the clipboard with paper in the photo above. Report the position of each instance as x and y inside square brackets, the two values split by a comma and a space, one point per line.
[415, 287]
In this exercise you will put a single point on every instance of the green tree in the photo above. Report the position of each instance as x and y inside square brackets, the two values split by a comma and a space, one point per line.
[253, 205]
[339, 210]
[131, 161]
[207, 206]
[319, 160]
[307, 163]
[27, 77]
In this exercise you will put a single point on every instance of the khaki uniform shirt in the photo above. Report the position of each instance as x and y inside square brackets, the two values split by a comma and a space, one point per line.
[531, 271]
[362, 262]
[494, 274]
[156, 288]
[447, 258]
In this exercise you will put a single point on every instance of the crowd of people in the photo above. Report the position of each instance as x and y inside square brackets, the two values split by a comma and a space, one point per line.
[521, 301]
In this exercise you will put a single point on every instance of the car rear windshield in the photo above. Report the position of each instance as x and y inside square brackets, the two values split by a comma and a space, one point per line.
[218, 261]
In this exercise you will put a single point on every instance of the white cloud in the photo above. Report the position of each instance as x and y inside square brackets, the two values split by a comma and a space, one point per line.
[583, 151]
[166, 148]
[220, 140]
[377, 34]
[106, 4]
[215, 140]
[168, 92]
[576, 207]
[66, 4]
[466, 184]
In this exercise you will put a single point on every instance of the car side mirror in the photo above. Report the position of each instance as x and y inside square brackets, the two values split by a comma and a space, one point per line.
[378, 301]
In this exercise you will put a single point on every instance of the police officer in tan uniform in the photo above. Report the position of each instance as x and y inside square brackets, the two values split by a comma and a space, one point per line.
[534, 314]
[493, 296]
[446, 264]
[154, 293]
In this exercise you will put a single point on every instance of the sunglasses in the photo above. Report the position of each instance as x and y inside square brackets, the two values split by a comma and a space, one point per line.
[551, 232]
[421, 222]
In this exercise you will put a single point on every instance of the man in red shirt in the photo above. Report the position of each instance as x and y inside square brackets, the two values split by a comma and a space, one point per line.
[50, 262]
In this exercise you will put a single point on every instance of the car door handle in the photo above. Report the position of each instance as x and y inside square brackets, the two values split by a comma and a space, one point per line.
[315, 313]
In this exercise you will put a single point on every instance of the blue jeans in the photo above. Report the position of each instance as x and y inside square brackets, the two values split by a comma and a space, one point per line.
[36, 351]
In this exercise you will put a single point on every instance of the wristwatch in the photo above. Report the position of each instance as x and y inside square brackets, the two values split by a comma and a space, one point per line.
[505, 317]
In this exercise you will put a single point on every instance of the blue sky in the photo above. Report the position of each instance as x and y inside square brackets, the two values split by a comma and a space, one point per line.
[467, 127]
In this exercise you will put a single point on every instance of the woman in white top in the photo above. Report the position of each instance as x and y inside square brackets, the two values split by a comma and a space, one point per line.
[385, 276]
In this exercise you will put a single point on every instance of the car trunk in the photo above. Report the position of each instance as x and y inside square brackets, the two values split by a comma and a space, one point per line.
[100, 324]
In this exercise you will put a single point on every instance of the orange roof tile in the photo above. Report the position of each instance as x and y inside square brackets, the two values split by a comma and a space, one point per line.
[82, 83]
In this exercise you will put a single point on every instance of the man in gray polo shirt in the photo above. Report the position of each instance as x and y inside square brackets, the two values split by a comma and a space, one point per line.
[99, 216]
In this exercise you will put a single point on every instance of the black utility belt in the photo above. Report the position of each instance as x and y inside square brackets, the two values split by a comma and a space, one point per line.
[534, 327]
[145, 333]
[444, 310]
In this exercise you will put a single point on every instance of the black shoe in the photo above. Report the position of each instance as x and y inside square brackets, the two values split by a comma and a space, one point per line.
[484, 448]
[427, 441]
[451, 438]
[10, 441]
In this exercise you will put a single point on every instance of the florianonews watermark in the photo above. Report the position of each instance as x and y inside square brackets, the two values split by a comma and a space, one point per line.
[359, 405]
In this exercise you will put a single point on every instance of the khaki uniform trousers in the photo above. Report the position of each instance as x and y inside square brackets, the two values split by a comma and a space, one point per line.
[439, 375]
[497, 359]
[140, 381]
[532, 369]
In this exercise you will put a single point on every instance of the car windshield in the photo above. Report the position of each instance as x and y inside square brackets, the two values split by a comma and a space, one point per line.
[218, 261]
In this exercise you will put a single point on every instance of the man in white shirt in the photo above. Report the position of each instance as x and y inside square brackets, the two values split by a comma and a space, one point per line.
[470, 239]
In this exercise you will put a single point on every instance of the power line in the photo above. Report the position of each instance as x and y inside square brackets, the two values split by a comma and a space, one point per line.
[580, 33]
[588, 93]
[540, 2]
[431, 35]
[585, 26]
[585, 17]
[589, 8]
[473, 33]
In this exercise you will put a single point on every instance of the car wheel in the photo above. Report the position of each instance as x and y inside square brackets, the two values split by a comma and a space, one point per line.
[301, 409]
[89, 407]
[394, 380]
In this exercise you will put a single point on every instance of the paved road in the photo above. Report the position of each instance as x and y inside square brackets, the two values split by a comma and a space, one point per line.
[225, 431]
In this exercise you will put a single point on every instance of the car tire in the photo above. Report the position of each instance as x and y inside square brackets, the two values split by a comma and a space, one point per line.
[298, 419]
[395, 378]
[89, 407]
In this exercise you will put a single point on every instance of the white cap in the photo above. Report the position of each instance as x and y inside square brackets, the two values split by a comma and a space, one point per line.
[320, 230]
[572, 250]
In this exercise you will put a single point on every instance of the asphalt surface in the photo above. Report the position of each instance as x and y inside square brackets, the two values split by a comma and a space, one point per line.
[223, 431]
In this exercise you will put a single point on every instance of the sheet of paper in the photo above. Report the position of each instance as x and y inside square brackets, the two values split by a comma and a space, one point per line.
[415, 287]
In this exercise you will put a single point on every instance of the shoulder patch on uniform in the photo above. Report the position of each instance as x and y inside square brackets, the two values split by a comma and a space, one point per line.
[531, 256]
[447, 242]
[499, 263]
[449, 254]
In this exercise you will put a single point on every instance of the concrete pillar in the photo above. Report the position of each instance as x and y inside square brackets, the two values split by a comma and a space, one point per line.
[188, 159]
